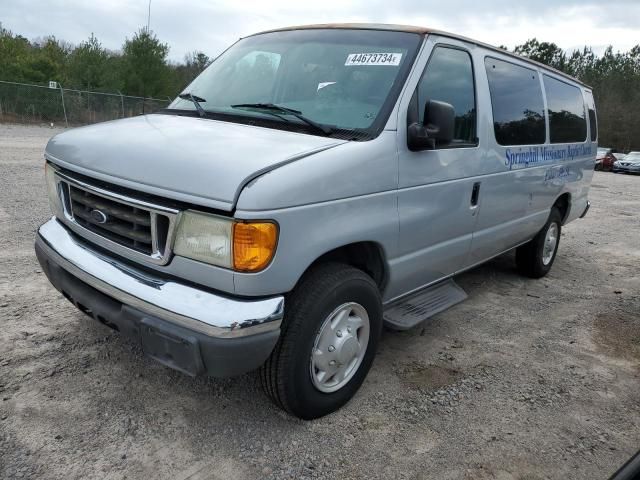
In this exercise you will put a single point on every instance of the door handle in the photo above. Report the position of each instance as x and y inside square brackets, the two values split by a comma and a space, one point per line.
[475, 193]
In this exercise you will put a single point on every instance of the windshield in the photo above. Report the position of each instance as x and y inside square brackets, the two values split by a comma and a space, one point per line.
[341, 79]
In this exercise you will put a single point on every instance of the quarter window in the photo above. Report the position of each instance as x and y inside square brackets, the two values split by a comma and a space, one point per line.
[593, 125]
[516, 98]
[449, 78]
[567, 122]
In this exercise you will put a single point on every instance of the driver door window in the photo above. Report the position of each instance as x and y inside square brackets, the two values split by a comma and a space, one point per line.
[448, 78]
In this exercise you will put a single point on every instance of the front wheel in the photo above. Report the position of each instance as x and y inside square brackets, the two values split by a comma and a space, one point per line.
[535, 258]
[329, 338]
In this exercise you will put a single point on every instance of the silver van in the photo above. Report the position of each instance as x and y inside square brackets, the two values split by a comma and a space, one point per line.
[311, 185]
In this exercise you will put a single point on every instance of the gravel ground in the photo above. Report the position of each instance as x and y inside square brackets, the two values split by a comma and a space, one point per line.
[527, 379]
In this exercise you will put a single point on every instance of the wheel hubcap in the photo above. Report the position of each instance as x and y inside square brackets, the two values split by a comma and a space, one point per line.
[339, 347]
[550, 242]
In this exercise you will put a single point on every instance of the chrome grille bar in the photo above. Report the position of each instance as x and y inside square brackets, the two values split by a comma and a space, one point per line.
[110, 207]
[123, 224]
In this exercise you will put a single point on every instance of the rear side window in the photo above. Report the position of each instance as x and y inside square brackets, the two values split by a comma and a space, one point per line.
[516, 98]
[567, 122]
[593, 125]
[593, 122]
[448, 78]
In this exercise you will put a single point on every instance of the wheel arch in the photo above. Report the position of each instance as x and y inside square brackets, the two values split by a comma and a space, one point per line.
[367, 256]
[563, 203]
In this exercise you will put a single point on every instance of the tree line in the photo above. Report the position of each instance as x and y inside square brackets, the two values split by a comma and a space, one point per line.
[142, 68]
[615, 79]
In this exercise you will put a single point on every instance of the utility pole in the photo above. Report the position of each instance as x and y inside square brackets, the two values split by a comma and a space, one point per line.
[149, 16]
[144, 93]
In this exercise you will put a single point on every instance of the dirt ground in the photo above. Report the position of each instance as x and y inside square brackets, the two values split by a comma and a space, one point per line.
[526, 379]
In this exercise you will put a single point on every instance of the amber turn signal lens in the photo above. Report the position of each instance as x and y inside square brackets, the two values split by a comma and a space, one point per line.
[253, 245]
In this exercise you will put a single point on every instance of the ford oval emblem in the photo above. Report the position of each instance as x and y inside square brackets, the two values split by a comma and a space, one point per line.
[98, 216]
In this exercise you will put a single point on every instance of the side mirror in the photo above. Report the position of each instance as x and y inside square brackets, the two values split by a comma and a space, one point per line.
[437, 129]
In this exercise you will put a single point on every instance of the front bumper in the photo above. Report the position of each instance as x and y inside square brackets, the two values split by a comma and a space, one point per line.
[190, 329]
[626, 169]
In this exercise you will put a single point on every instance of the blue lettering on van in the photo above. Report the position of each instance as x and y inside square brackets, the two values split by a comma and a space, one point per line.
[530, 156]
[556, 173]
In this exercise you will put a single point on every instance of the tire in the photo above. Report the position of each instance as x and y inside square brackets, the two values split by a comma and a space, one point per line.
[530, 257]
[286, 376]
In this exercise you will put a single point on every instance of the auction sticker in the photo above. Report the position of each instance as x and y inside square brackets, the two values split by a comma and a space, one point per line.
[392, 59]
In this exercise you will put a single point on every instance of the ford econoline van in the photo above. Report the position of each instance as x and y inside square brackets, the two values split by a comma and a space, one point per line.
[311, 185]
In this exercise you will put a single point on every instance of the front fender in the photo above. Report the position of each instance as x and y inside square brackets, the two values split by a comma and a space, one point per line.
[307, 232]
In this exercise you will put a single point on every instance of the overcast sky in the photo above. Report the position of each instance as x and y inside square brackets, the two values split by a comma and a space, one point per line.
[211, 25]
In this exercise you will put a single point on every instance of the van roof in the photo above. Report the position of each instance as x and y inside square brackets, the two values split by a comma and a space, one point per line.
[421, 31]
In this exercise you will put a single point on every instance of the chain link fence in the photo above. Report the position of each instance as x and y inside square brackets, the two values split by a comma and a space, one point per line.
[27, 103]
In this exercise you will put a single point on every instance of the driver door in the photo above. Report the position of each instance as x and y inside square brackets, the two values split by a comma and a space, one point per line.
[438, 196]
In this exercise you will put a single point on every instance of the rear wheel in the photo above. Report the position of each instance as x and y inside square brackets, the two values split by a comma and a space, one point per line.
[535, 258]
[330, 334]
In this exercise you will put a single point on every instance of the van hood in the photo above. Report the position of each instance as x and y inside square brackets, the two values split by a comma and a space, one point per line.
[196, 160]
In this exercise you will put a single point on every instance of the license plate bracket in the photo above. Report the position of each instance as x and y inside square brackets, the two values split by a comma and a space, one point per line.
[171, 346]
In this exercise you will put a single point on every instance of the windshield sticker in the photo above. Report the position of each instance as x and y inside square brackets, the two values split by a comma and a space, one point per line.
[392, 59]
[324, 84]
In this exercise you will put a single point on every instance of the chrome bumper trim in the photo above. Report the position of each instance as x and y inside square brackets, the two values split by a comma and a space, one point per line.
[208, 313]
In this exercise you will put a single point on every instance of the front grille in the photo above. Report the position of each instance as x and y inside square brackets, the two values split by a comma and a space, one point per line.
[118, 222]
[127, 224]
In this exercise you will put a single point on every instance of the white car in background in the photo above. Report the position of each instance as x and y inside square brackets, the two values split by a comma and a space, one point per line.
[629, 163]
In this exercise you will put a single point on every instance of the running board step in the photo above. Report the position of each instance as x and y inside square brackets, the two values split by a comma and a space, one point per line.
[409, 312]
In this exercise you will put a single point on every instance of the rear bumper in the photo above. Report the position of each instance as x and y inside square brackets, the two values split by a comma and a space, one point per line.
[586, 209]
[189, 329]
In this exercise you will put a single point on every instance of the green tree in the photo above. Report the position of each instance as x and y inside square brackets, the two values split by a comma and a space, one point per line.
[145, 69]
[543, 52]
[14, 54]
[194, 63]
[581, 63]
[38, 61]
[89, 65]
[48, 60]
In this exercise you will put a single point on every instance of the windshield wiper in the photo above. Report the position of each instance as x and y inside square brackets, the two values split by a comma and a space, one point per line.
[273, 108]
[196, 101]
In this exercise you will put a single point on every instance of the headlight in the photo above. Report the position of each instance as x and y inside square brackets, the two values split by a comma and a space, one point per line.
[205, 238]
[52, 189]
[243, 246]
